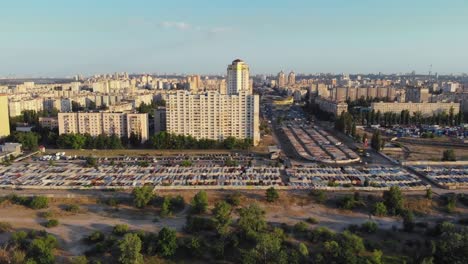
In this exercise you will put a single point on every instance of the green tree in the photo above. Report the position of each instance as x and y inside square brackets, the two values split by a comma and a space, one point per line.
[166, 207]
[449, 155]
[376, 141]
[393, 200]
[200, 202]
[268, 249]
[167, 242]
[39, 202]
[303, 250]
[120, 229]
[40, 249]
[408, 221]
[429, 193]
[222, 216]
[380, 209]
[252, 220]
[130, 250]
[272, 195]
[79, 260]
[142, 196]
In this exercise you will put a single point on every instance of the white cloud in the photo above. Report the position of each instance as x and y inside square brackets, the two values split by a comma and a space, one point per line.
[176, 25]
[183, 26]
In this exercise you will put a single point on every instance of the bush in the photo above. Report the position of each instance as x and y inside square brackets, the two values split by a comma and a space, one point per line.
[319, 196]
[300, 227]
[369, 227]
[5, 227]
[234, 199]
[96, 236]
[200, 202]
[379, 209]
[39, 202]
[312, 220]
[51, 223]
[272, 195]
[120, 230]
[72, 208]
[47, 214]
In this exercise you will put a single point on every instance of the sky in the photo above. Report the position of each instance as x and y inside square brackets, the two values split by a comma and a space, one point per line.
[58, 38]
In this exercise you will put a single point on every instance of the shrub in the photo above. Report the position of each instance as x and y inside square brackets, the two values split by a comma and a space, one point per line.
[5, 227]
[120, 230]
[369, 227]
[47, 214]
[300, 227]
[319, 196]
[379, 209]
[39, 202]
[72, 208]
[96, 236]
[272, 195]
[312, 220]
[51, 223]
[234, 199]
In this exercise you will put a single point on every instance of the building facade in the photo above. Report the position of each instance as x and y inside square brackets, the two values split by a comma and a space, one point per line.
[97, 123]
[4, 119]
[213, 115]
[238, 77]
[426, 109]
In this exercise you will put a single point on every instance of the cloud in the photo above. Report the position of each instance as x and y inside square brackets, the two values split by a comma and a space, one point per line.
[176, 25]
[184, 26]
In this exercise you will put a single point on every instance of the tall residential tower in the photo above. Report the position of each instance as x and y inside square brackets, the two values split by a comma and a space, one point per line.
[238, 77]
[4, 120]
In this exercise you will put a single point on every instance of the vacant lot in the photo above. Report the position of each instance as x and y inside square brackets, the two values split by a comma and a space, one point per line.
[94, 215]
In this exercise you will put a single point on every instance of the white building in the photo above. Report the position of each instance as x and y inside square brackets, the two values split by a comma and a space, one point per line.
[238, 77]
[212, 115]
[120, 124]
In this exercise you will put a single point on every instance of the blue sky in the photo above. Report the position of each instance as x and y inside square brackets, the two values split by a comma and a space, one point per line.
[62, 38]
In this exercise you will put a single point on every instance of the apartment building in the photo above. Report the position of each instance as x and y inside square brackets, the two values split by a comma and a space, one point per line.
[18, 106]
[331, 106]
[4, 120]
[97, 123]
[426, 109]
[213, 115]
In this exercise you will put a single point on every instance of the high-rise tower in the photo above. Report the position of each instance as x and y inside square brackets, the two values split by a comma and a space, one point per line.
[238, 77]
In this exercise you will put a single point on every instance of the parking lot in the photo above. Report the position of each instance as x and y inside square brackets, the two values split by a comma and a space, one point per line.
[315, 144]
[451, 177]
[374, 177]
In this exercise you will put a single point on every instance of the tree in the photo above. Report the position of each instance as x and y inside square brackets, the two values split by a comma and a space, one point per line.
[39, 202]
[166, 244]
[222, 216]
[40, 249]
[272, 195]
[252, 220]
[142, 196]
[166, 207]
[449, 155]
[429, 193]
[303, 250]
[200, 202]
[393, 200]
[452, 246]
[79, 260]
[130, 250]
[268, 249]
[376, 141]
[120, 229]
[408, 221]
[380, 209]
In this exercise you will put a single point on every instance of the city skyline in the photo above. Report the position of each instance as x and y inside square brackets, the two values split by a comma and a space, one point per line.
[62, 39]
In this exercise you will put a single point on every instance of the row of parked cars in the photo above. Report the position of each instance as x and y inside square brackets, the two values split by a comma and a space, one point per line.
[451, 177]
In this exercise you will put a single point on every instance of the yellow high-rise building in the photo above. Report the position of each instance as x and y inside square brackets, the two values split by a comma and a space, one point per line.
[4, 119]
